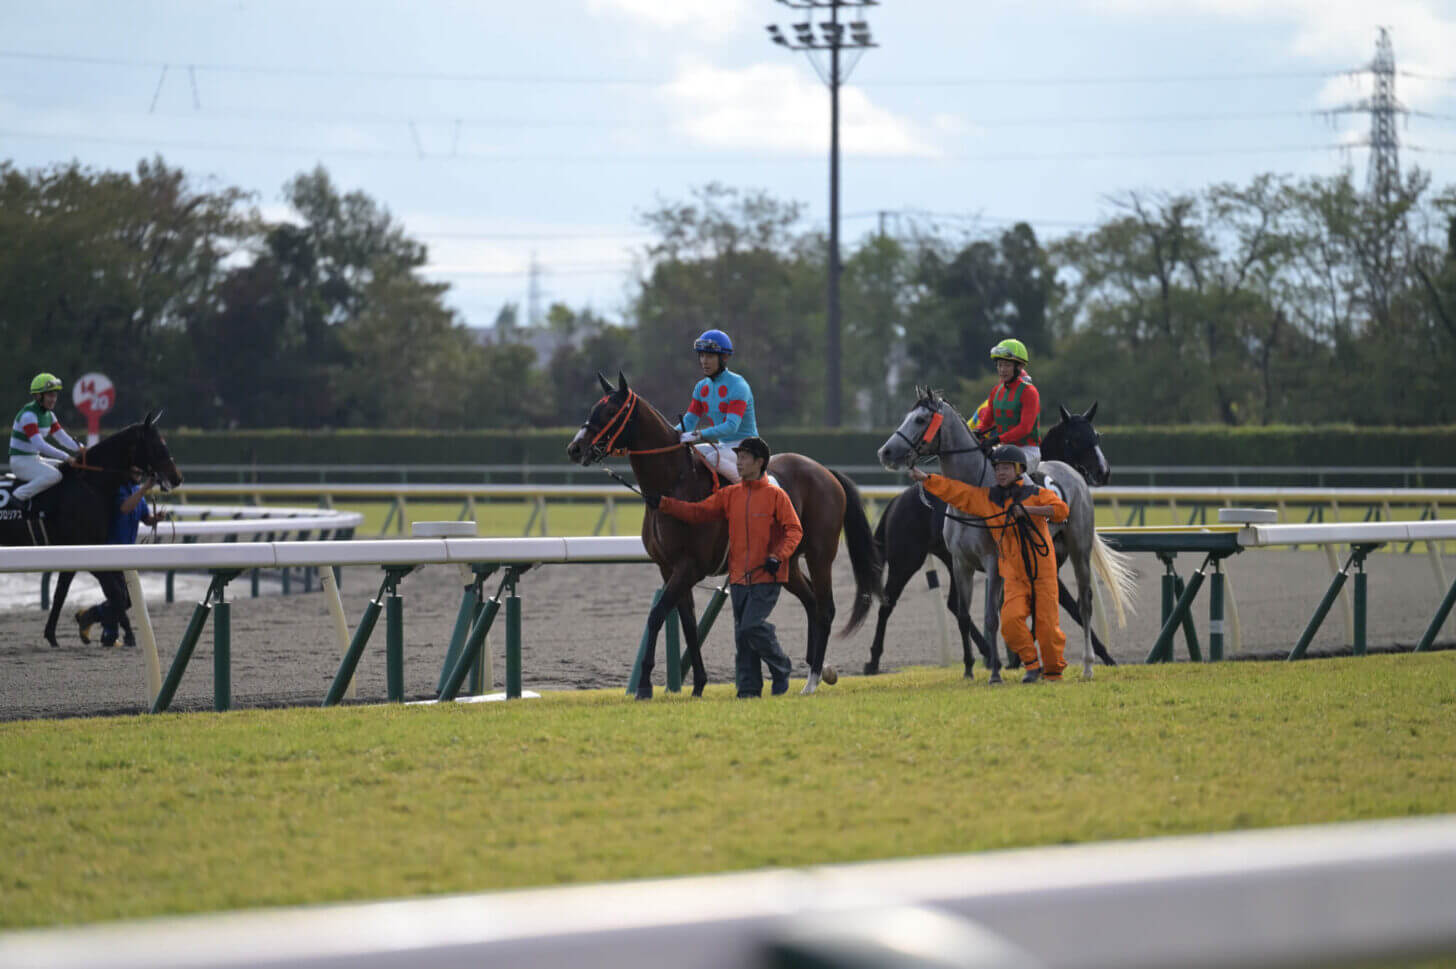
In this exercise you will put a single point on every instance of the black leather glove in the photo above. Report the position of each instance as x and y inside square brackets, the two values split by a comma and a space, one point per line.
[651, 500]
[771, 565]
[992, 439]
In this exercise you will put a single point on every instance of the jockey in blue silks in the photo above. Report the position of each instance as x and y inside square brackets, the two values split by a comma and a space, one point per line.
[721, 414]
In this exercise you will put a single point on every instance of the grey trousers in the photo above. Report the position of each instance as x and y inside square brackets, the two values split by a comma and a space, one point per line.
[756, 640]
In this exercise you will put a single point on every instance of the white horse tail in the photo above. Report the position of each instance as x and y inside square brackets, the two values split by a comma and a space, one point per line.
[1115, 570]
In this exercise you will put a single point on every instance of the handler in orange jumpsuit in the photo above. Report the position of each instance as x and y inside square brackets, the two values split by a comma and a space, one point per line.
[1013, 500]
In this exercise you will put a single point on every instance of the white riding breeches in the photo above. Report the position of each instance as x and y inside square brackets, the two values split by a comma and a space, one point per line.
[38, 474]
[720, 457]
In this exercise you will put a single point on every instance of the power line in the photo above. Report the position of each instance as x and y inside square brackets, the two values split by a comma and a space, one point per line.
[293, 71]
[588, 158]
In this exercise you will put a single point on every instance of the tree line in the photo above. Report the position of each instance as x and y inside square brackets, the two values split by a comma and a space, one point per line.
[1285, 300]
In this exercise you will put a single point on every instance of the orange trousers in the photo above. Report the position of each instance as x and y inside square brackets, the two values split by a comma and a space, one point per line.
[1016, 610]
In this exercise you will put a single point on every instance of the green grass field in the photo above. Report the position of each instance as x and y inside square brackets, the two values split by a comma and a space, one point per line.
[140, 816]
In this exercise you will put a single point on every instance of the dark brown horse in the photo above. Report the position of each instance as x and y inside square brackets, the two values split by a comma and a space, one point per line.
[623, 422]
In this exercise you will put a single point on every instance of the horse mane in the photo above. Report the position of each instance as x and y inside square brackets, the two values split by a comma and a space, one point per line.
[108, 445]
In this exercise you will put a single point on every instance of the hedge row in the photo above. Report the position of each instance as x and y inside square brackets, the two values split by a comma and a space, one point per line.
[1322, 446]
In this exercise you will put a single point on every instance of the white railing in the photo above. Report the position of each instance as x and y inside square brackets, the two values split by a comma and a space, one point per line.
[1339, 894]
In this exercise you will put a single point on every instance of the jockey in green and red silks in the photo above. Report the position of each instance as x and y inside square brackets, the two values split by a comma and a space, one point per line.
[1014, 416]
[721, 413]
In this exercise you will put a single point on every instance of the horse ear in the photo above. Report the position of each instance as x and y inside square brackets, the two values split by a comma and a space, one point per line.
[1062, 408]
[156, 417]
[621, 382]
[1091, 411]
[606, 387]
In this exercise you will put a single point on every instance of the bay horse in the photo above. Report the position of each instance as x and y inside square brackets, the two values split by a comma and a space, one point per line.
[933, 426]
[911, 529]
[827, 502]
[78, 509]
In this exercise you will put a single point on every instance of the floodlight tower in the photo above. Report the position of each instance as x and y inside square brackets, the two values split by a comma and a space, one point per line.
[832, 37]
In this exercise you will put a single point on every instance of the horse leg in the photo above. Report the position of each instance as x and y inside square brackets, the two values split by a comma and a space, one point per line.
[993, 614]
[679, 582]
[1082, 616]
[822, 580]
[58, 601]
[688, 618]
[899, 577]
[960, 607]
[963, 574]
[1082, 566]
[798, 586]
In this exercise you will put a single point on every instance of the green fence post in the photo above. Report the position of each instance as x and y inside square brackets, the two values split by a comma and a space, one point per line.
[184, 650]
[674, 654]
[1359, 644]
[1170, 596]
[1190, 635]
[1215, 613]
[394, 646]
[45, 591]
[471, 650]
[171, 592]
[463, 619]
[1442, 611]
[356, 648]
[253, 583]
[222, 656]
[477, 668]
[184, 655]
[1336, 584]
[1163, 648]
[642, 650]
[513, 638]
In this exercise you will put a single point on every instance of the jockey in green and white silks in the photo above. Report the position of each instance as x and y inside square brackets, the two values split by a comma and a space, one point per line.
[721, 414]
[32, 458]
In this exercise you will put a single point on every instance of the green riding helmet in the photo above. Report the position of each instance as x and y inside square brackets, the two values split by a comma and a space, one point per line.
[44, 383]
[1011, 350]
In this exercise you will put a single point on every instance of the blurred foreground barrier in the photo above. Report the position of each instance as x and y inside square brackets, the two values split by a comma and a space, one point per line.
[1375, 892]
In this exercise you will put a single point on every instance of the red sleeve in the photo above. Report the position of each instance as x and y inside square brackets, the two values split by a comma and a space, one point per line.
[789, 520]
[706, 510]
[739, 407]
[1030, 409]
[697, 407]
[965, 497]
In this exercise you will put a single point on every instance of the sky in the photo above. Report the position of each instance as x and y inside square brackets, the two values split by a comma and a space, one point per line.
[536, 134]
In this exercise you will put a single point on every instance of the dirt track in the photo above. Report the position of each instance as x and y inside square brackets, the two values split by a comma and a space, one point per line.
[582, 624]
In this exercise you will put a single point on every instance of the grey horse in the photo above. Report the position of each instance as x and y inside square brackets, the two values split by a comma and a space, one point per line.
[933, 427]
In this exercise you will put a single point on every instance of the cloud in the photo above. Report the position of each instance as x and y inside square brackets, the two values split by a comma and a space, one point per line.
[703, 16]
[784, 108]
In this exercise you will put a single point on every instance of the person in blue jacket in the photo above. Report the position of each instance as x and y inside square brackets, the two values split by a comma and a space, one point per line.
[129, 512]
[721, 414]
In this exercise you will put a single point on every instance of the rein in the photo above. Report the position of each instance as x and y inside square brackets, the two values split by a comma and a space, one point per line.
[614, 426]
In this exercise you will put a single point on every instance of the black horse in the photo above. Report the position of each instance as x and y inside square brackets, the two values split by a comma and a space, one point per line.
[78, 509]
[911, 528]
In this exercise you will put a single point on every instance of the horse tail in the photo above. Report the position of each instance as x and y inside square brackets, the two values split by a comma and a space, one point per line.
[880, 529]
[864, 556]
[1115, 570]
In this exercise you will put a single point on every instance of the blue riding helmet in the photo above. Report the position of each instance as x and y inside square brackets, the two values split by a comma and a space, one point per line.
[713, 341]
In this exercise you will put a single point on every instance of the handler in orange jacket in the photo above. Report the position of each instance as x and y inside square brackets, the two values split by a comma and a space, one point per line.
[763, 531]
[1017, 512]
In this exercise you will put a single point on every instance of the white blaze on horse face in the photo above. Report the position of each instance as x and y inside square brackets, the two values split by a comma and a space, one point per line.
[578, 445]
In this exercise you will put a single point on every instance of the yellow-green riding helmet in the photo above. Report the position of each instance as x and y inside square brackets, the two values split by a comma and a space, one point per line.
[44, 383]
[1011, 350]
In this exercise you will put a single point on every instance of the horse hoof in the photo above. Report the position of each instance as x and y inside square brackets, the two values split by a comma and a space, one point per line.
[871, 669]
[970, 675]
[644, 692]
[830, 675]
[995, 679]
[697, 691]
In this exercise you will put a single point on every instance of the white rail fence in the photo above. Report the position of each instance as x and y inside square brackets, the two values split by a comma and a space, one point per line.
[1376, 892]
[226, 560]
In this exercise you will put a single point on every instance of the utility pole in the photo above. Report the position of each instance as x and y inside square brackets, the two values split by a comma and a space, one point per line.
[832, 38]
